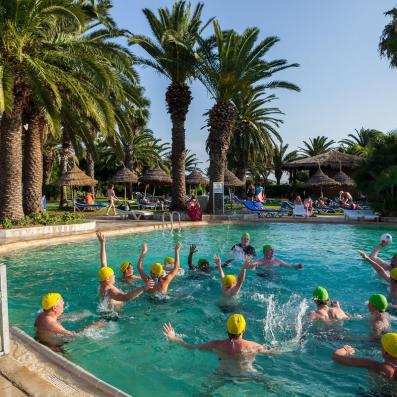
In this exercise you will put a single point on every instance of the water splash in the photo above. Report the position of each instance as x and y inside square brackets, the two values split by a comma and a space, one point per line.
[283, 323]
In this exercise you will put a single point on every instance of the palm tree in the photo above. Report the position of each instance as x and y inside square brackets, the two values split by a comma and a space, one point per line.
[317, 145]
[388, 40]
[360, 142]
[26, 74]
[255, 130]
[281, 157]
[172, 54]
[231, 63]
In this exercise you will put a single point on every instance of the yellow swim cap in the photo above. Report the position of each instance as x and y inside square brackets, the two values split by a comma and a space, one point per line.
[228, 280]
[389, 344]
[157, 269]
[50, 300]
[168, 260]
[123, 267]
[235, 324]
[104, 273]
[393, 274]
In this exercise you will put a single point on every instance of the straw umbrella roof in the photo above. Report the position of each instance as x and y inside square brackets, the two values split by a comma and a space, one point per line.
[231, 180]
[124, 175]
[155, 176]
[344, 179]
[196, 178]
[332, 159]
[320, 179]
[75, 177]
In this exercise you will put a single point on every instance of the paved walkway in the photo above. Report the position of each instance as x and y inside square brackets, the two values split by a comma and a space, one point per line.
[7, 389]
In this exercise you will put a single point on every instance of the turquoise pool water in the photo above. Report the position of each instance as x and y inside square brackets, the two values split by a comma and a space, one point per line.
[133, 355]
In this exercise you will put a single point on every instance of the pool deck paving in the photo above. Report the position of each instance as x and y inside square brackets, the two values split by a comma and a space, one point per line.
[7, 389]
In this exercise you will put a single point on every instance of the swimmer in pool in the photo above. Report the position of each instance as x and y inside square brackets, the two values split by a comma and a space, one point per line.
[49, 330]
[269, 260]
[390, 278]
[231, 286]
[203, 264]
[169, 264]
[236, 354]
[241, 249]
[324, 312]
[162, 281]
[126, 268]
[384, 264]
[387, 368]
[380, 320]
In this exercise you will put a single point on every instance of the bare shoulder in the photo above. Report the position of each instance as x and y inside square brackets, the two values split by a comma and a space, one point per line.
[386, 370]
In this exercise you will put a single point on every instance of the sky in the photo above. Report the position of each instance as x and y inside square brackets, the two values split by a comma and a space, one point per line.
[345, 85]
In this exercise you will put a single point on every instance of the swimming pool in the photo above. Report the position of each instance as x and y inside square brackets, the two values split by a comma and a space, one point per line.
[133, 355]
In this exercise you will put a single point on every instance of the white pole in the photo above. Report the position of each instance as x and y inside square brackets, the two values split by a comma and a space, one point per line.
[4, 327]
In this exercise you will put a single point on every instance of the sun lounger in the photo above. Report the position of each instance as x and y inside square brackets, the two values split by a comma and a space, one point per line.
[254, 206]
[299, 210]
[135, 214]
[365, 215]
[82, 206]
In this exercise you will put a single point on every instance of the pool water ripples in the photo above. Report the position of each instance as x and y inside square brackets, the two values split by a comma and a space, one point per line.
[132, 354]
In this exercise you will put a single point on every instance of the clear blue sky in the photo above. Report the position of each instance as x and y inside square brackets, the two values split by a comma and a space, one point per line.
[345, 85]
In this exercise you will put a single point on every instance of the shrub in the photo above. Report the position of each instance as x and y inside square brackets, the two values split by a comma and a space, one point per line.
[6, 223]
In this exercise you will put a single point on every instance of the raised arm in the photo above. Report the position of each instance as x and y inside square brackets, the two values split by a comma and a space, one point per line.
[118, 295]
[101, 239]
[218, 262]
[144, 276]
[342, 356]
[170, 334]
[375, 265]
[243, 271]
[374, 256]
[288, 266]
[177, 266]
[192, 250]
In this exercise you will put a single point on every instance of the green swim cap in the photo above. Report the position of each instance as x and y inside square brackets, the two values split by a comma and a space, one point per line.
[202, 262]
[379, 301]
[320, 294]
[267, 247]
[246, 235]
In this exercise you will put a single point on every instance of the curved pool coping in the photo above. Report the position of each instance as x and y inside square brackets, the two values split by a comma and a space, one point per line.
[118, 228]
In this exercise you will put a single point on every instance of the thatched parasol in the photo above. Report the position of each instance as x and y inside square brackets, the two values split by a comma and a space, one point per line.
[231, 180]
[344, 179]
[321, 180]
[155, 177]
[75, 177]
[332, 159]
[196, 178]
[124, 175]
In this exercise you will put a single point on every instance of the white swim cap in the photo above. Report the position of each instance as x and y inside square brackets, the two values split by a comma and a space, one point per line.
[387, 238]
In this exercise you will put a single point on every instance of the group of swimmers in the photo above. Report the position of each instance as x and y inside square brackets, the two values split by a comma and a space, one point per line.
[236, 354]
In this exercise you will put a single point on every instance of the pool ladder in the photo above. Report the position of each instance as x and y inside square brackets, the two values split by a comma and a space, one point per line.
[171, 217]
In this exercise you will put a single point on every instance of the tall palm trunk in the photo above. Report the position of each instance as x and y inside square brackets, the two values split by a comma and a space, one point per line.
[33, 163]
[66, 145]
[178, 97]
[129, 163]
[221, 121]
[91, 170]
[11, 162]
[48, 164]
